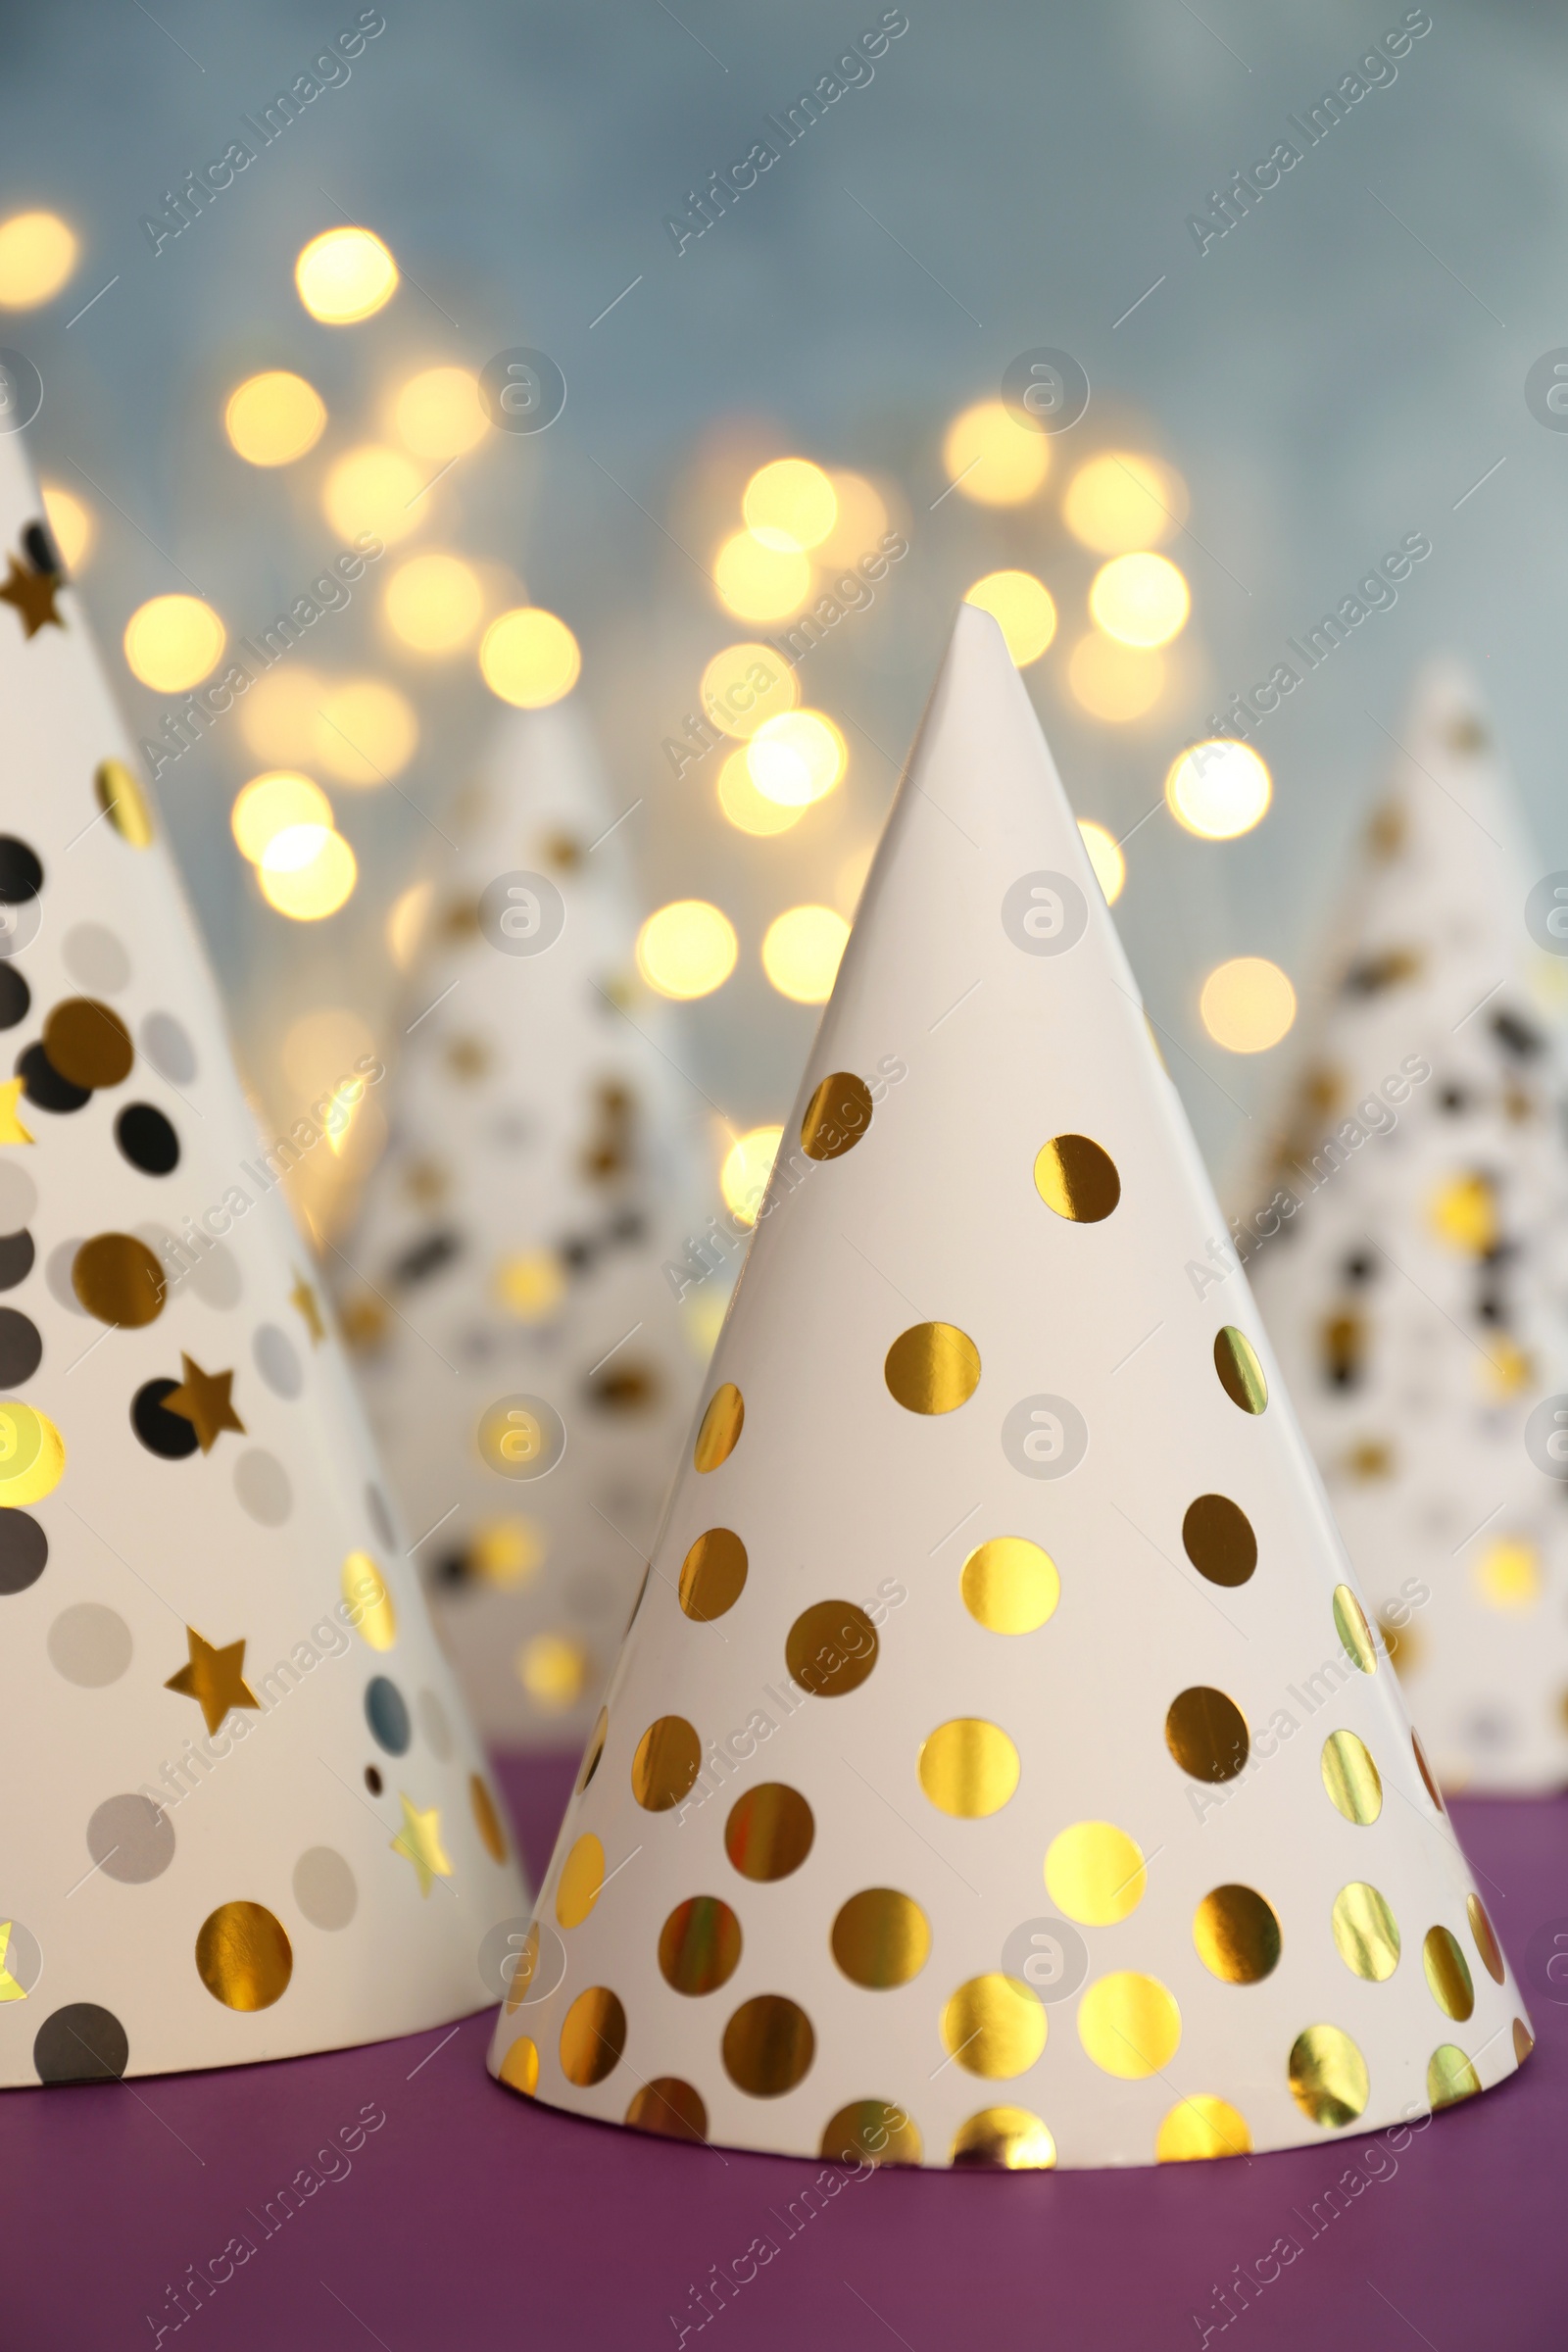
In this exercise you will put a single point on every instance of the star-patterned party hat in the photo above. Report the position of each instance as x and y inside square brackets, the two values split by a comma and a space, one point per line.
[1409, 1262]
[519, 1290]
[253, 1819]
[1000, 1770]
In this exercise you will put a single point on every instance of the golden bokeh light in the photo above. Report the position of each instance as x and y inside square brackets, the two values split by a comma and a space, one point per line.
[529, 658]
[1114, 682]
[319, 1046]
[992, 460]
[37, 254]
[345, 274]
[796, 757]
[1218, 789]
[1141, 599]
[272, 418]
[1119, 501]
[362, 731]
[746, 684]
[434, 603]
[269, 805]
[744, 808]
[376, 489]
[404, 922]
[72, 524]
[801, 953]
[790, 505]
[278, 716]
[760, 583]
[1248, 1005]
[687, 949]
[173, 642]
[552, 1668]
[438, 413]
[850, 880]
[862, 518]
[1023, 608]
[1105, 857]
[747, 1166]
[307, 872]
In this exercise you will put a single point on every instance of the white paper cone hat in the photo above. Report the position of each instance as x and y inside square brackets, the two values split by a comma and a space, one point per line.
[999, 1770]
[247, 1817]
[1413, 1291]
[527, 1362]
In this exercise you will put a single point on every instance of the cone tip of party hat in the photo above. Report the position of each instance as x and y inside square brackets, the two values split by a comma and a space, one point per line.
[999, 1770]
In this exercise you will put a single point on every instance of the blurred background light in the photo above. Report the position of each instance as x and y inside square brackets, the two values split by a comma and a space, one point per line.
[744, 808]
[269, 805]
[747, 1166]
[1119, 501]
[757, 582]
[307, 872]
[173, 642]
[1113, 681]
[531, 1285]
[438, 413]
[1105, 857]
[1218, 789]
[796, 757]
[321, 1047]
[345, 274]
[746, 684]
[376, 489]
[1022, 607]
[1248, 1005]
[686, 949]
[529, 658]
[278, 716]
[991, 460]
[272, 418]
[37, 254]
[404, 922]
[362, 731]
[434, 603]
[801, 953]
[860, 519]
[1142, 600]
[553, 1669]
[70, 520]
[790, 504]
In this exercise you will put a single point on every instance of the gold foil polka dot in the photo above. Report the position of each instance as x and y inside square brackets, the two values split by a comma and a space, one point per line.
[668, 2107]
[486, 1819]
[1076, 1178]
[1524, 2042]
[932, 1368]
[768, 2045]
[1128, 2025]
[1095, 1873]
[871, 2131]
[593, 1751]
[836, 1117]
[1450, 2076]
[1206, 1733]
[770, 1831]
[368, 1600]
[522, 1975]
[1352, 1778]
[120, 798]
[831, 1648]
[720, 1431]
[881, 1937]
[519, 2068]
[1448, 1973]
[712, 1575]
[1009, 1586]
[1202, 2128]
[32, 1455]
[1366, 1932]
[118, 1280]
[968, 1768]
[1241, 1375]
[668, 1758]
[1425, 1770]
[699, 1946]
[1328, 2077]
[1003, 2139]
[1355, 1634]
[1486, 1940]
[1237, 1934]
[582, 1874]
[87, 1044]
[1217, 1538]
[593, 2035]
[243, 1956]
[995, 2026]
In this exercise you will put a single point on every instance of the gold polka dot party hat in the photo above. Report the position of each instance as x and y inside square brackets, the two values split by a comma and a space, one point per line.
[1000, 1770]
[1405, 1237]
[247, 1817]
[530, 1326]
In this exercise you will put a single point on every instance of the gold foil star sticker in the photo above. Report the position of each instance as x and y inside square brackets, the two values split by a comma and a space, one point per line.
[303, 1297]
[419, 1839]
[203, 1400]
[34, 594]
[12, 1131]
[214, 1677]
[10, 1990]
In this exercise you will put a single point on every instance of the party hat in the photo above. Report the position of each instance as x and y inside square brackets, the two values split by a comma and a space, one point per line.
[1409, 1261]
[523, 1298]
[248, 1818]
[999, 1769]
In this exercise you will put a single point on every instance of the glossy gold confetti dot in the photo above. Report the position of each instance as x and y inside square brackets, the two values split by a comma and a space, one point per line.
[243, 1956]
[1237, 1934]
[871, 2131]
[720, 1431]
[995, 2026]
[712, 1575]
[1450, 2076]
[700, 1946]
[87, 1044]
[1524, 2042]
[582, 1874]
[768, 2045]
[1206, 1733]
[831, 1648]
[1077, 1178]
[1355, 1634]
[1241, 1375]
[1366, 1932]
[836, 1117]
[770, 1831]
[968, 1768]
[668, 2107]
[486, 1819]
[118, 1280]
[1328, 2077]
[1482, 1930]
[122, 801]
[32, 1455]
[1448, 1973]
[1352, 1778]
[522, 1975]
[1095, 1873]
[668, 1758]
[1009, 1586]
[596, 1741]
[593, 2035]
[1425, 1770]
[1202, 2128]
[1217, 1538]
[519, 2068]
[932, 1368]
[368, 1600]
[881, 1937]
[1002, 2140]
[1128, 2025]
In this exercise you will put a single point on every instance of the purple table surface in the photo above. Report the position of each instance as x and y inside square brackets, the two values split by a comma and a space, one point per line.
[471, 2218]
